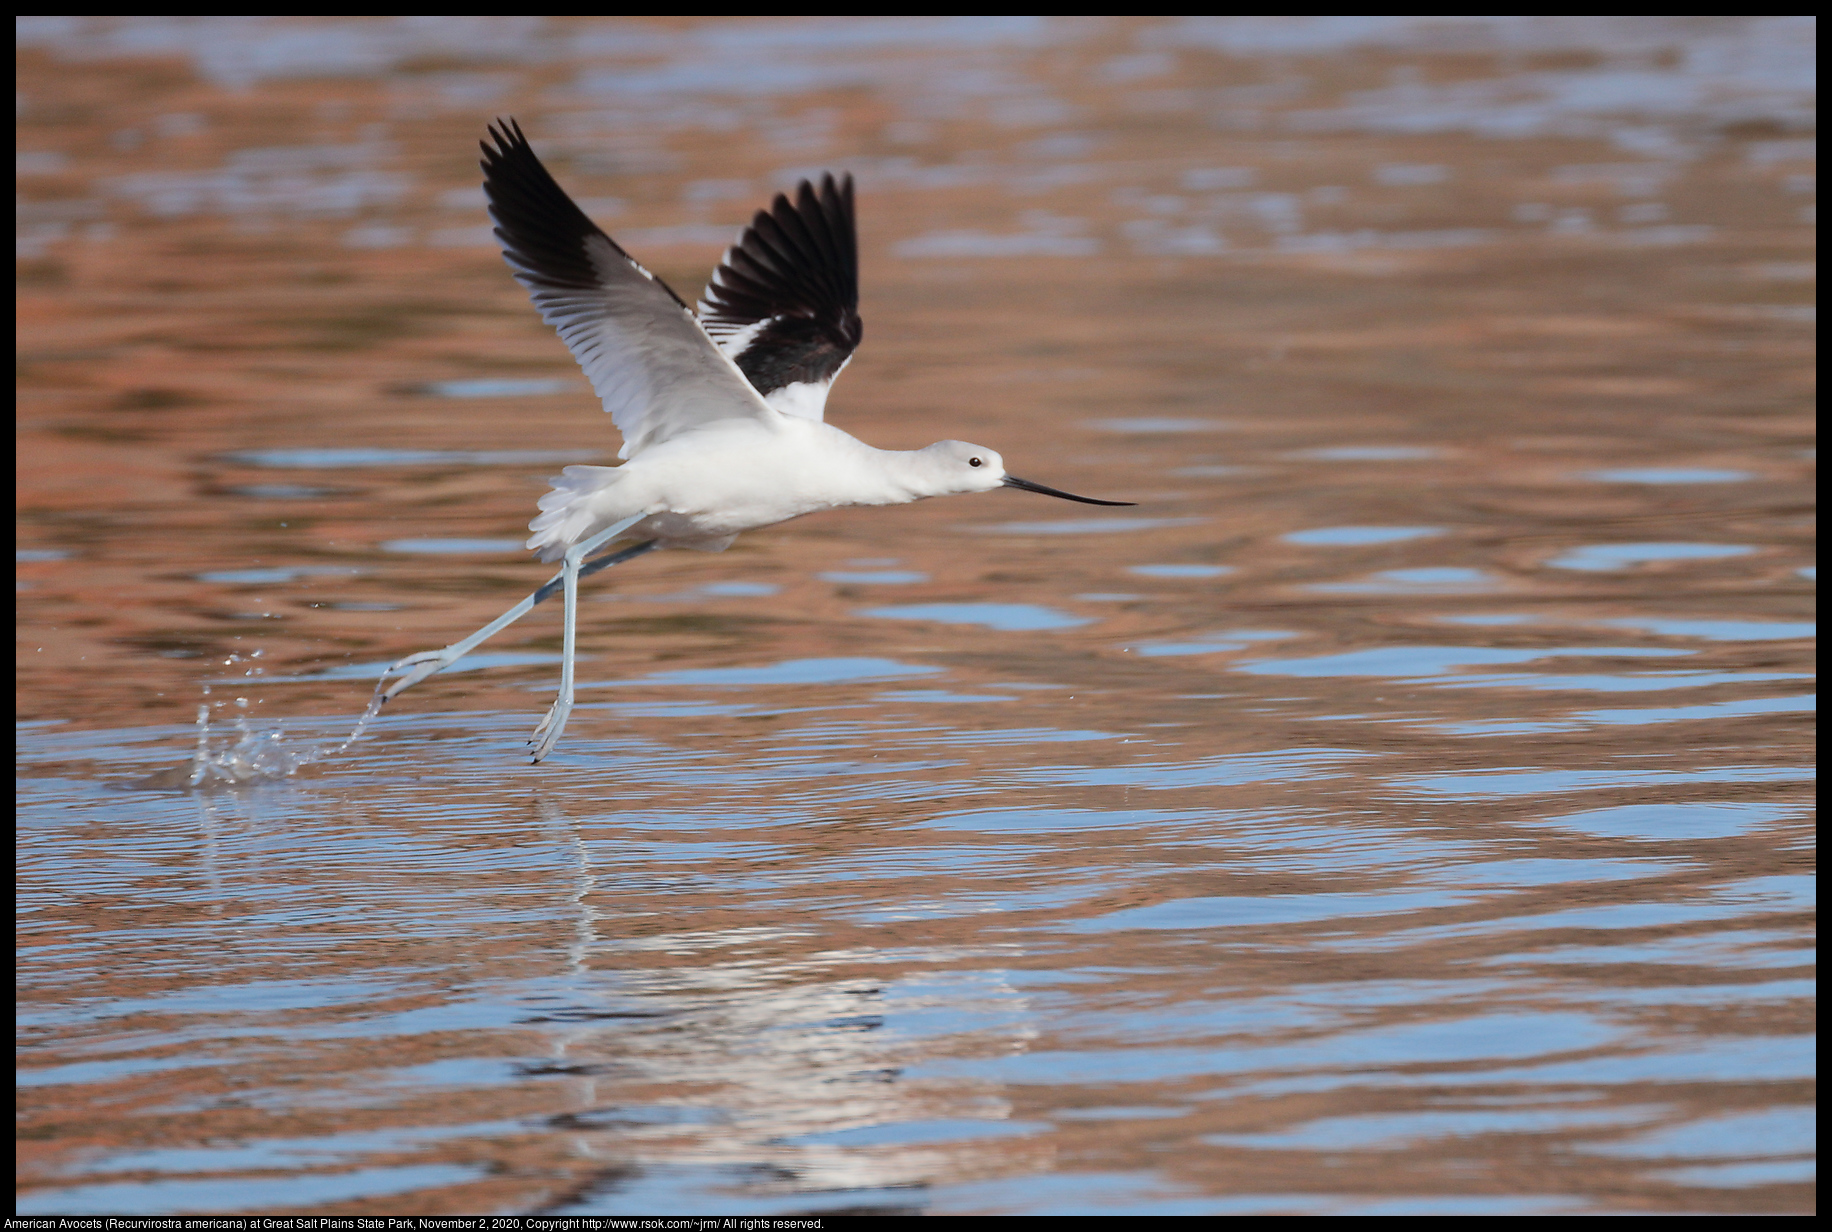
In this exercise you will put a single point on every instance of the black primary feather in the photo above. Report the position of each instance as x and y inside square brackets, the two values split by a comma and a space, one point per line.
[794, 274]
[539, 226]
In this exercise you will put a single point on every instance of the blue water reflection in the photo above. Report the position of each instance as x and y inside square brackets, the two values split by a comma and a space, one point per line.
[1373, 453]
[1675, 822]
[1179, 571]
[1440, 579]
[1360, 536]
[878, 577]
[265, 577]
[797, 671]
[499, 387]
[234, 1195]
[1603, 557]
[1771, 1131]
[1719, 630]
[1005, 617]
[1397, 1131]
[1670, 474]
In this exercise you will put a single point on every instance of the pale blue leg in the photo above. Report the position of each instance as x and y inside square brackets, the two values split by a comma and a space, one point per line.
[547, 734]
[428, 662]
[431, 661]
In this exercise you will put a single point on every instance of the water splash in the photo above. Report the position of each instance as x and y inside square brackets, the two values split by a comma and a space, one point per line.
[255, 756]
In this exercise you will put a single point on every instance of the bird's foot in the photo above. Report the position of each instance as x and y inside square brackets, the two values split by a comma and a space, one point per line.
[548, 733]
[424, 664]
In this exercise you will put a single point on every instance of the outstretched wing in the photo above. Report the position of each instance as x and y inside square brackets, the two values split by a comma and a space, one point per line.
[646, 356]
[784, 303]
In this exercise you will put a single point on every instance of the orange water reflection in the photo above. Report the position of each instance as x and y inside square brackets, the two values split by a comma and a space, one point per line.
[1404, 810]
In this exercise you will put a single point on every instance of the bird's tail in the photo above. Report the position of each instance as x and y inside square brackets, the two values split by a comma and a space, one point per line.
[569, 513]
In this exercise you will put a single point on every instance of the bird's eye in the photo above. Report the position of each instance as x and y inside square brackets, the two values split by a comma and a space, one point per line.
[975, 462]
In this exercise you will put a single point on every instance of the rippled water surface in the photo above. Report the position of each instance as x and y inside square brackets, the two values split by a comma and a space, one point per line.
[1406, 809]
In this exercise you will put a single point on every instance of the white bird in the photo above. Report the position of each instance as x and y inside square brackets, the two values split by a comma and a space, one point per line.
[721, 412]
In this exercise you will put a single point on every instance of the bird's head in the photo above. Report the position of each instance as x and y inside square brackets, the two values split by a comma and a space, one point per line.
[957, 466]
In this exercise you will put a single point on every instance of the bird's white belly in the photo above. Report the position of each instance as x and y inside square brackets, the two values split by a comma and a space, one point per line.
[730, 482]
[702, 488]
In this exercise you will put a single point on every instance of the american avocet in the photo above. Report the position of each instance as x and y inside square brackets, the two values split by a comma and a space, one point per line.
[720, 411]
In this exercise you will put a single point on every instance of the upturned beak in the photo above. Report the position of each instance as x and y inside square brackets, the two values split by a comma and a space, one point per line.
[1012, 481]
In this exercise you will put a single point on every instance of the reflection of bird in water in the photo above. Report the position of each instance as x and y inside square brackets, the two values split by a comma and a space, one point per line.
[763, 1062]
[720, 411]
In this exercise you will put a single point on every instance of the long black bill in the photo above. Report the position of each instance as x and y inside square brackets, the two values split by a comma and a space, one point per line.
[1012, 481]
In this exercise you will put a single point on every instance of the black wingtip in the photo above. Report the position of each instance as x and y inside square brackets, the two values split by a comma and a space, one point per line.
[507, 135]
[543, 232]
[796, 268]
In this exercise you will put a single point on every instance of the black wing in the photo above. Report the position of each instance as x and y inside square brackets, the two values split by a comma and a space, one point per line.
[784, 303]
